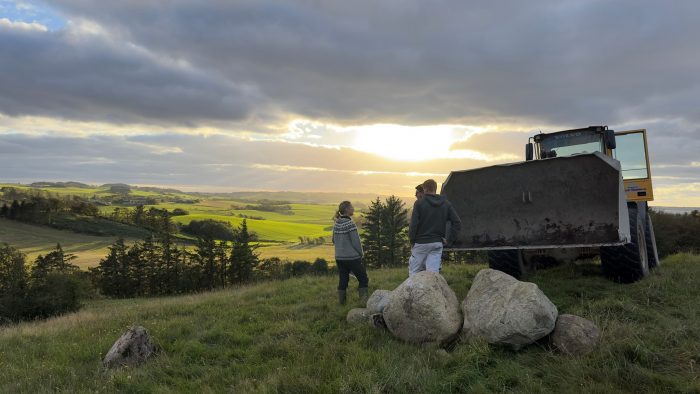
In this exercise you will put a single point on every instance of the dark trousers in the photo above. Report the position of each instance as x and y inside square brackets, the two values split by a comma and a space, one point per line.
[345, 267]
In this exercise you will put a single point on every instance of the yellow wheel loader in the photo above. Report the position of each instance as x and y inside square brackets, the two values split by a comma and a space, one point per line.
[579, 193]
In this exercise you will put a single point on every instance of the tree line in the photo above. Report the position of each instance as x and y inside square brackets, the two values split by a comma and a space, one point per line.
[51, 286]
[158, 266]
[676, 233]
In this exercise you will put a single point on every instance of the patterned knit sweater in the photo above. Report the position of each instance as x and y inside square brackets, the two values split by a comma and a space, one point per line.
[346, 240]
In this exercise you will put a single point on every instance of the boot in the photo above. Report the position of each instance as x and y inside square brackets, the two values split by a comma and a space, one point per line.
[362, 291]
[342, 296]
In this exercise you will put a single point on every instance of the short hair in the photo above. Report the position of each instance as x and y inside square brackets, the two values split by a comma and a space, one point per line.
[420, 188]
[430, 185]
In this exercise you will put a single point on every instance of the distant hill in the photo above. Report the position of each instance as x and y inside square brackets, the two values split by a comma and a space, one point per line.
[300, 197]
[359, 199]
[61, 184]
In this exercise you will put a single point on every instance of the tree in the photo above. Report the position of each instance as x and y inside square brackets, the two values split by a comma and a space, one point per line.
[205, 255]
[112, 272]
[372, 234]
[55, 261]
[13, 283]
[243, 257]
[14, 211]
[384, 236]
[394, 232]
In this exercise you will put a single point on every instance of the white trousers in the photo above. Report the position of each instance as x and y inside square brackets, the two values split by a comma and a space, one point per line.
[425, 257]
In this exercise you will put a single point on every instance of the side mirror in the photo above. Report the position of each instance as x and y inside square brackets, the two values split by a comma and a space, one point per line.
[528, 151]
[610, 139]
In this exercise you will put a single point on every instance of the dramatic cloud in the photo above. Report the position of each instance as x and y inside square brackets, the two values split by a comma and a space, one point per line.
[88, 76]
[571, 62]
[474, 79]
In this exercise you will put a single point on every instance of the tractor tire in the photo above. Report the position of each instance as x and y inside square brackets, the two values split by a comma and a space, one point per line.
[628, 263]
[650, 238]
[510, 261]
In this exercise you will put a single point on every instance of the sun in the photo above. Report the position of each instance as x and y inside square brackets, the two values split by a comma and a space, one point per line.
[406, 143]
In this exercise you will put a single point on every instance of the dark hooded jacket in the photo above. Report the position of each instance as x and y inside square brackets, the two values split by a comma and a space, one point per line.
[429, 220]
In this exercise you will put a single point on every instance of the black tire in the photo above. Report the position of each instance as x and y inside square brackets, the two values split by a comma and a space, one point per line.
[650, 238]
[628, 263]
[511, 262]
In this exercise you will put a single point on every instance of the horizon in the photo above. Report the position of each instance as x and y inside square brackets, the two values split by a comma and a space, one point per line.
[184, 190]
[234, 95]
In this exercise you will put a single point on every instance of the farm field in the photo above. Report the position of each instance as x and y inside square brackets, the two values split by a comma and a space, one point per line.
[35, 240]
[291, 336]
[279, 232]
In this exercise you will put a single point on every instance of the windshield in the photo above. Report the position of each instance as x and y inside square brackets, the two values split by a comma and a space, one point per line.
[567, 144]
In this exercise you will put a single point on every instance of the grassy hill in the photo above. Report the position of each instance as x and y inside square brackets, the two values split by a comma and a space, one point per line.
[290, 336]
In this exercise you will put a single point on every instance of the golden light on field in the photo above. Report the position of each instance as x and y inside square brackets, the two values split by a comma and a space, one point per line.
[418, 143]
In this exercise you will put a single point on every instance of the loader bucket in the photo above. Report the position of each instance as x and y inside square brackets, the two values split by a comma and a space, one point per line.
[569, 201]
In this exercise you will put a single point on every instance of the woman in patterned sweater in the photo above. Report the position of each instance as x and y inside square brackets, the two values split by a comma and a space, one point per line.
[348, 252]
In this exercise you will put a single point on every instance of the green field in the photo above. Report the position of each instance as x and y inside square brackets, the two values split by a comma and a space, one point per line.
[280, 232]
[291, 337]
[35, 240]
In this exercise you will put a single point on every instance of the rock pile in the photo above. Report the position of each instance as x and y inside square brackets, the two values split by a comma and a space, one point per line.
[498, 308]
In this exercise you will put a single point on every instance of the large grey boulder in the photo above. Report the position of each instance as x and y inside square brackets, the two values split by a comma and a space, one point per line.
[503, 310]
[377, 301]
[358, 315]
[132, 348]
[575, 335]
[423, 309]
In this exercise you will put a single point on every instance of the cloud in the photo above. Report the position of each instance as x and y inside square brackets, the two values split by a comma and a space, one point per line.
[71, 74]
[124, 69]
[416, 62]
[19, 25]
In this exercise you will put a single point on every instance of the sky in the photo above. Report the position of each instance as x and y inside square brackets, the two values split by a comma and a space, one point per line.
[361, 96]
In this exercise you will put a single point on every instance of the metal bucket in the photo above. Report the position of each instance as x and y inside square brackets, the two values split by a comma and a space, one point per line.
[569, 201]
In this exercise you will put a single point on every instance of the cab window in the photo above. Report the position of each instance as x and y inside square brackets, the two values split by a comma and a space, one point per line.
[631, 153]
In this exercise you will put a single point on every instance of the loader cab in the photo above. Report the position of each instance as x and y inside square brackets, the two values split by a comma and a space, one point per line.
[628, 147]
[570, 142]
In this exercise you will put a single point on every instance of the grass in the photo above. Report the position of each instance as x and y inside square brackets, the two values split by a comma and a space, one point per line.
[290, 336]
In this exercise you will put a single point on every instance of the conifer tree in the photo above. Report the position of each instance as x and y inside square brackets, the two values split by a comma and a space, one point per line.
[394, 232]
[243, 257]
[372, 234]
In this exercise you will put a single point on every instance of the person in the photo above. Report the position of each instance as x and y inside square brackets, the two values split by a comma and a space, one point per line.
[419, 192]
[427, 230]
[348, 252]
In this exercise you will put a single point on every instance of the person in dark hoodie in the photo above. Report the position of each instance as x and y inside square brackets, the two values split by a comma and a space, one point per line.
[428, 227]
[348, 252]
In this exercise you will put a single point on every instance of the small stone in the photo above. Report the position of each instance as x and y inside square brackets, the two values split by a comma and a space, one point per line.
[575, 335]
[132, 348]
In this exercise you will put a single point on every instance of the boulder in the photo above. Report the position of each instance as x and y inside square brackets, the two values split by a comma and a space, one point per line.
[132, 348]
[575, 335]
[358, 315]
[503, 310]
[423, 309]
[377, 301]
